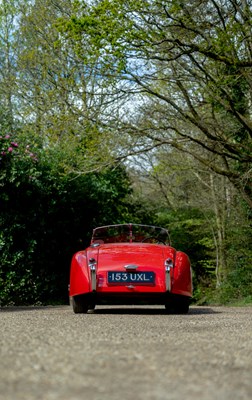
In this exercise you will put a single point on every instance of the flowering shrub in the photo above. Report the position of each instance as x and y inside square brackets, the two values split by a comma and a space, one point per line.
[17, 161]
[17, 166]
[9, 147]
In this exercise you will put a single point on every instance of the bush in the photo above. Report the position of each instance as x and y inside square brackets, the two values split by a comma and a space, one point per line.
[46, 216]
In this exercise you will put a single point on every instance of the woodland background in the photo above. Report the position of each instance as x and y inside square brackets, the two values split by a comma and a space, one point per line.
[125, 111]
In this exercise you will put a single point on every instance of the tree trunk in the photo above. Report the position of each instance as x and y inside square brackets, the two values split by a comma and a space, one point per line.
[220, 205]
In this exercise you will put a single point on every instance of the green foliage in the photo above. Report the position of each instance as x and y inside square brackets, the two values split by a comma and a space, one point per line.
[191, 75]
[237, 287]
[158, 43]
[238, 283]
[46, 216]
[190, 233]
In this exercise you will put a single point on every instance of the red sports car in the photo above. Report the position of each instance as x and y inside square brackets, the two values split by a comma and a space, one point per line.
[130, 264]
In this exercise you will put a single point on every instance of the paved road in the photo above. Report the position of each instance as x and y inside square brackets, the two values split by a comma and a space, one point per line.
[126, 353]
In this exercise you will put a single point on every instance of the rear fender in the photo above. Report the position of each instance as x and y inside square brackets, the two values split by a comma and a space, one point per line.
[182, 275]
[80, 274]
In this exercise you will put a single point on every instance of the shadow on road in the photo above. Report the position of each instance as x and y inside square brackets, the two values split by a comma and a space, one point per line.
[151, 311]
[142, 310]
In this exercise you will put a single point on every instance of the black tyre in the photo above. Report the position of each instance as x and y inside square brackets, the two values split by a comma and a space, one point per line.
[80, 304]
[178, 306]
[91, 306]
[182, 307]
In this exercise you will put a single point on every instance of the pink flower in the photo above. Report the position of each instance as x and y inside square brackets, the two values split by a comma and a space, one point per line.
[14, 144]
[7, 136]
[10, 149]
[3, 153]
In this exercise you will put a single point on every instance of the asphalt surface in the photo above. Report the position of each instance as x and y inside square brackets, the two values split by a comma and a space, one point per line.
[118, 353]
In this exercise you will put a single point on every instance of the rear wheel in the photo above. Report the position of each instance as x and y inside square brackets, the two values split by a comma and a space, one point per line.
[178, 306]
[91, 306]
[182, 307]
[80, 304]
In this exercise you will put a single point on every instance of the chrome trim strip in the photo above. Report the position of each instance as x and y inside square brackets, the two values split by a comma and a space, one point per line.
[167, 279]
[95, 244]
[168, 266]
[92, 266]
[130, 266]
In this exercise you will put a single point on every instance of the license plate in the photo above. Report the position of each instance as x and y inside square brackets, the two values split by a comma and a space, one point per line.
[131, 277]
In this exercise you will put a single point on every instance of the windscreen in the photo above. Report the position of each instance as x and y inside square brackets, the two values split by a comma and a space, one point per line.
[130, 233]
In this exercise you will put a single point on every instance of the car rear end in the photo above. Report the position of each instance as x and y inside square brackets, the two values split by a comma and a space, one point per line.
[130, 273]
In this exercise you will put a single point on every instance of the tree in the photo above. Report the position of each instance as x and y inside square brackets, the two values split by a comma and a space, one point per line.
[8, 57]
[205, 218]
[193, 204]
[62, 98]
[191, 63]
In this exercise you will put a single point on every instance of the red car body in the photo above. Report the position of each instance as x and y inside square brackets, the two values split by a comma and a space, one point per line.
[130, 264]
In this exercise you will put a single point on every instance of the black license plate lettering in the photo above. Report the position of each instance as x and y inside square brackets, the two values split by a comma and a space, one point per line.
[131, 277]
